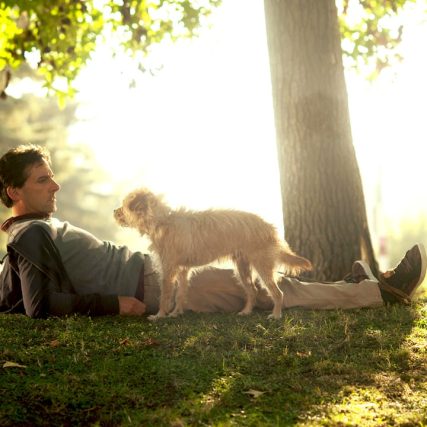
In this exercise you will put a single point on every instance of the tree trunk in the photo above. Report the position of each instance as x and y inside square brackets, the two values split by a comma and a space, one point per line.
[323, 203]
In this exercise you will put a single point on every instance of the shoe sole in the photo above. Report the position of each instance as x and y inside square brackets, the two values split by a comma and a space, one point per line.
[367, 270]
[422, 250]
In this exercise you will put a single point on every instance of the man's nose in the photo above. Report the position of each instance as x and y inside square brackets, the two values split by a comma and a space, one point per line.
[55, 186]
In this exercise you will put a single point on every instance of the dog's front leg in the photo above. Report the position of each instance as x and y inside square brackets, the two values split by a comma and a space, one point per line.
[166, 292]
[181, 293]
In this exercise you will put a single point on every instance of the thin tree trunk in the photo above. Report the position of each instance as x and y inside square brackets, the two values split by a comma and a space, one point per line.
[323, 202]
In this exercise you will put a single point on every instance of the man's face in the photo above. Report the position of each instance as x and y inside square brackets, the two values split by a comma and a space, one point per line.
[37, 195]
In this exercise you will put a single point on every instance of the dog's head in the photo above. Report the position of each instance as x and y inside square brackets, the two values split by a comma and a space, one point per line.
[141, 209]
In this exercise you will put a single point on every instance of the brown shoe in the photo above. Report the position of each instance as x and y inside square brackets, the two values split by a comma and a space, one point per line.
[400, 284]
[360, 270]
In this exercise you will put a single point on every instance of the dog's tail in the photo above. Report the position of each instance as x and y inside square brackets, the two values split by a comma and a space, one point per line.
[295, 264]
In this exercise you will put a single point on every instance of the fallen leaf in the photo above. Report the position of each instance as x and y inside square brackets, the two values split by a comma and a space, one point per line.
[124, 341]
[261, 328]
[54, 343]
[12, 365]
[254, 393]
[150, 342]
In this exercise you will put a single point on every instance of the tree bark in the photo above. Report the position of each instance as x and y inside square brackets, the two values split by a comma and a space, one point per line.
[323, 203]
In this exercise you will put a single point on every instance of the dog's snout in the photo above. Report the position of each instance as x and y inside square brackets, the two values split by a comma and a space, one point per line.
[118, 215]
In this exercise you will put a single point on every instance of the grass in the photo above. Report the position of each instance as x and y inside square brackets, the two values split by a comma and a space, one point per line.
[364, 367]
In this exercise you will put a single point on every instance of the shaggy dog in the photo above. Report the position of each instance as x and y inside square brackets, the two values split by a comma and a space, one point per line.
[184, 239]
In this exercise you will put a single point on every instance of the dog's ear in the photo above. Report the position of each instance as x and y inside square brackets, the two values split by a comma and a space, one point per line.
[138, 203]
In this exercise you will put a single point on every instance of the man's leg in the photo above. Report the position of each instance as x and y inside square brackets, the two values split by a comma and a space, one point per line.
[216, 290]
[211, 290]
[331, 295]
[364, 290]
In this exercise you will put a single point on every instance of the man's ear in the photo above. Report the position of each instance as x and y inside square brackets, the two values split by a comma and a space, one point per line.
[13, 193]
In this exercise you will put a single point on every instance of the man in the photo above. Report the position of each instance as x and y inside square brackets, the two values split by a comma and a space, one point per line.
[54, 268]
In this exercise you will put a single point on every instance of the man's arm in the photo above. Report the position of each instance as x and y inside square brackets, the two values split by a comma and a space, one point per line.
[41, 297]
[45, 286]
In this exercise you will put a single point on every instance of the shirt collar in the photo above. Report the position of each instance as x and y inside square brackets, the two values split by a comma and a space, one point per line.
[12, 220]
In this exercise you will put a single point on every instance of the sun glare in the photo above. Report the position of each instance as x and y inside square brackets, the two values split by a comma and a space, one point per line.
[201, 130]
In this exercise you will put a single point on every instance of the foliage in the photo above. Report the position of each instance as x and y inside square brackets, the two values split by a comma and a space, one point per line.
[337, 368]
[371, 32]
[58, 36]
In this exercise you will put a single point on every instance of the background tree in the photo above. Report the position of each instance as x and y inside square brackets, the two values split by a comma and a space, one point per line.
[323, 203]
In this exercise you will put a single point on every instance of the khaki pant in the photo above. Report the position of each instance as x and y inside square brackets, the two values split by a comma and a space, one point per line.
[217, 290]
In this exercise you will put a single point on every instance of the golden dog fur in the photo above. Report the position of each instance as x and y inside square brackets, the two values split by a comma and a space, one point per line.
[185, 239]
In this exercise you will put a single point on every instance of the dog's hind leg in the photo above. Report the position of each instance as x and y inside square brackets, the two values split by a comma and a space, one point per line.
[181, 293]
[265, 269]
[245, 274]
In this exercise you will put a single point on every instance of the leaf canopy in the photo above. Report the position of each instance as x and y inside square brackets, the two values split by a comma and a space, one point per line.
[57, 37]
[371, 32]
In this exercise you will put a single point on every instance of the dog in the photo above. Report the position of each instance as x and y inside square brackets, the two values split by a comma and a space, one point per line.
[183, 240]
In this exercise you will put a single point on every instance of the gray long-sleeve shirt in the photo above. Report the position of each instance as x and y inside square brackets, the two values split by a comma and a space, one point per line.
[93, 265]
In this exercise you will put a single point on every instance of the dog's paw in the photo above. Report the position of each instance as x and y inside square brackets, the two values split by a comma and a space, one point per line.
[176, 313]
[244, 312]
[275, 316]
[154, 317]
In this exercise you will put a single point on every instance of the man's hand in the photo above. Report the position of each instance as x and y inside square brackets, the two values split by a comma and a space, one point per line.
[130, 306]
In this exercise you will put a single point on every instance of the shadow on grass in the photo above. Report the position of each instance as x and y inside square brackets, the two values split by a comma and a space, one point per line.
[304, 375]
[319, 366]
[311, 367]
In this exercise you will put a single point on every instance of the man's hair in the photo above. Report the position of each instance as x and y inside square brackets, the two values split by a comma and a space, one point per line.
[15, 165]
